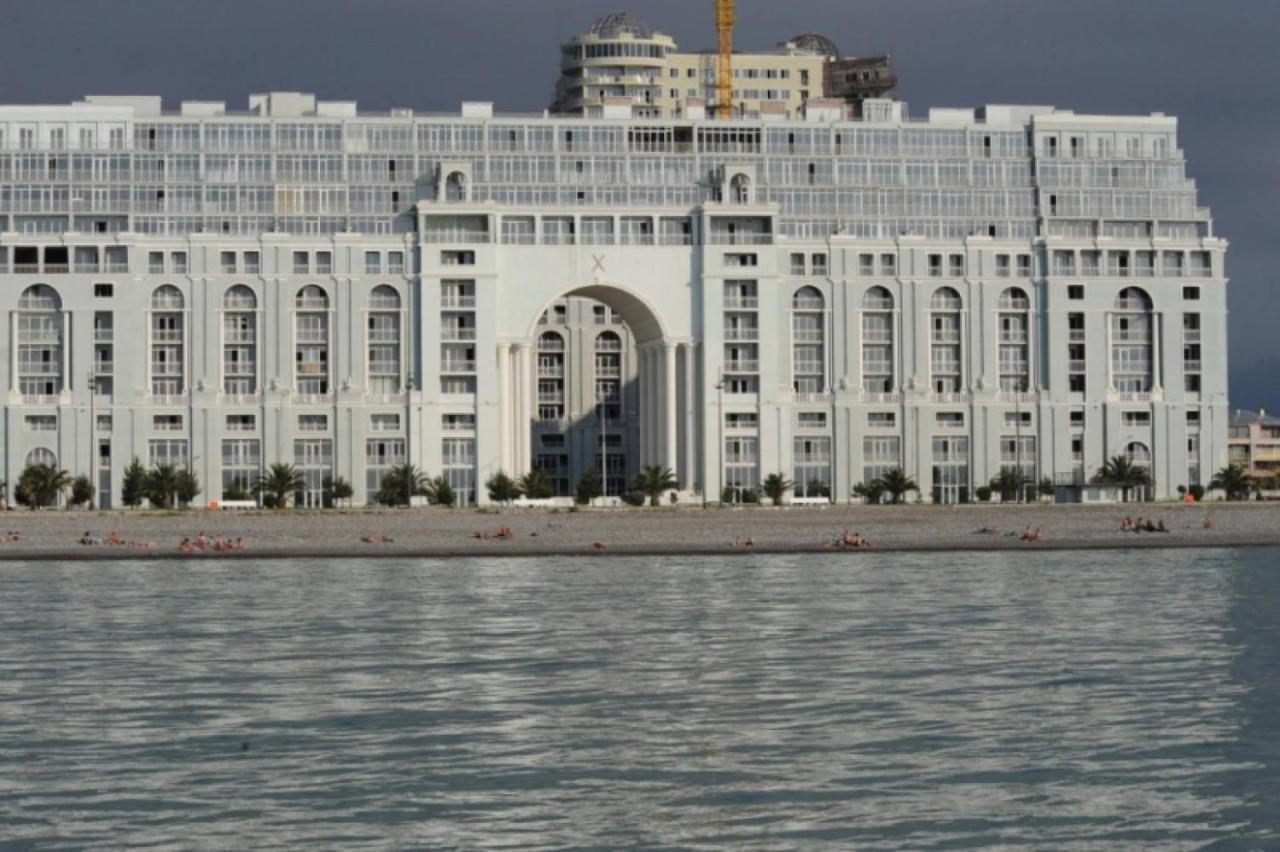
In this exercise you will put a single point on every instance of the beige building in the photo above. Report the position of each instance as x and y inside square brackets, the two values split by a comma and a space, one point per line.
[622, 63]
[1253, 442]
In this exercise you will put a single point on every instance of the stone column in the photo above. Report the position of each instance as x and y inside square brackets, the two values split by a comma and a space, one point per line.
[13, 353]
[1157, 352]
[524, 376]
[505, 418]
[688, 472]
[672, 459]
[67, 383]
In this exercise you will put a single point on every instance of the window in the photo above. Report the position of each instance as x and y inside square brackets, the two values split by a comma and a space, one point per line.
[950, 419]
[812, 419]
[1075, 292]
[104, 423]
[252, 263]
[155, 262]
[395, 262]
[956, 266]
[935, 266]
[881, 419]
[227, 262]
[818, 264]
[1191, 294]
[313, 422]
[384, 422]
[1017, 418]
[1024, 266]
[741, 420]
[373, 262]
[866, 264]
[1002, 266]
[178, 260]
[1136, 419]
[797, 264]
[103, 291]
[324, 262]
[1076, 417]
[301, 263]
[242, 423]
[167, 423]
[40, 423]
[888, 263]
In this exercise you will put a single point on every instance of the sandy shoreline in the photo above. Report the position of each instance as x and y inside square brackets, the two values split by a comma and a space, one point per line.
[657, 532]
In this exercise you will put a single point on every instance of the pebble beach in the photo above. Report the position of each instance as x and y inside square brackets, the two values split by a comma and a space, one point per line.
[661, 531]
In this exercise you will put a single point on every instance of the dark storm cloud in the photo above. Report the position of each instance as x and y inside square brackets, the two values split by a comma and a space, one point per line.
[1210, 63]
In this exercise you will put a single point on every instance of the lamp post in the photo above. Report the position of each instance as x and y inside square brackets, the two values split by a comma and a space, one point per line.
[93, 438]
[408, 443]
[720, 433]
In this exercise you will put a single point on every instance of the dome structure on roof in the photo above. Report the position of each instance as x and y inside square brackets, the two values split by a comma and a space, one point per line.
[818, 44]
[615, 24]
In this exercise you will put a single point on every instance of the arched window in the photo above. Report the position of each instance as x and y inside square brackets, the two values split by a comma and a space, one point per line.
[42, 455]
[611, 453]
[455, 187]
[740, 189]
[1015, 327]
[40, 343]
[945, 354]
[168, 353]
[808, 341]
[239, 341]
[384, 340]
[877, 341]
[1132, 336]
[551, 369]
[311, 347]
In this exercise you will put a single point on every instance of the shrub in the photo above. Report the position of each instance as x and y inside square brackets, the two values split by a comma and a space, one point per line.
[502, 488]
[1197, 491]
[590, 486]
[133, 490]
[983, 493]
[81, 490]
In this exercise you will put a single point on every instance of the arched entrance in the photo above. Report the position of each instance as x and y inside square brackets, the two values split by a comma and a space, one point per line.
[599, 375]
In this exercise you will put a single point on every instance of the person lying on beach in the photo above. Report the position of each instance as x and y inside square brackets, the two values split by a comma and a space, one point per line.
[987, 531]
[1160, 527]
[377, 539]
[1030, 534]
[744, 542]
[1127, 524]
[114, 539]
[13, 536]
[1208, 523]
[186, 546]
[88, 538]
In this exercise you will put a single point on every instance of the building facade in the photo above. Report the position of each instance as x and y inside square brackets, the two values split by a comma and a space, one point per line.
[1253, 443]
[826, 298]
[621, 62]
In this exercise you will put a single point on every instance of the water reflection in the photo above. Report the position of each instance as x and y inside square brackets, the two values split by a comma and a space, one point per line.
[1072, 701]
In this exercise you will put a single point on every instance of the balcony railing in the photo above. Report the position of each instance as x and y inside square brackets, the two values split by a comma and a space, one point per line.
[741, 334]
[749, 303]
[741, 366]
[881, 397]
[458, 367]
[448, 301]
[448, 333]
[1076, 366]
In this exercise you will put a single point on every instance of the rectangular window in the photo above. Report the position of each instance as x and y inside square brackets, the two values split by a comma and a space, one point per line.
[373, 262]
[1075, 292]
[313, 422]
[155, 262]
[167, 423]
[888, 264]
[227, 262]
[241, 423]
[1024, 266]
[395, 262]
[881, 419]
[950, 419]
[866, 264]
[103, 291]
[935, 266]
[384, 422]
[956, 266]
[252, 263]
[301, 263]
[324, 262]
[1002, 266]
[40, 423]
[1136, 419]
[1191, 294]
[812, 419]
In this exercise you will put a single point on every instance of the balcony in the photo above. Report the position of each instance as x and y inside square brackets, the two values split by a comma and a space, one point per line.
[103, 335]
[811, 396]
[39, 369]
[553, 371]
[449, 301]
[103, 368]
[741, 366]
[742, 334]
[723, 238]
[1191, 366]
[880, 397]
[1075, 335]
[1129, 396]
[454, 333]
[460, 237]
[1013, 337]
[877, 368]
[945, 336]
[949, 397]
[459, 366]
[803, 304]
[608, 371]
[39, 399]
[749, 303]
[312, 369]
[1076, 366]
[1017, 397]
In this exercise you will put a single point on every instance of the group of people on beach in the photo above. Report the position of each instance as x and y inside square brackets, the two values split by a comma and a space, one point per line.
[203, 543]
[12, 536]
[1028, 534]
[504, 533]
[114, 539]
[1140, 525]
[847, 541]
[377, 539]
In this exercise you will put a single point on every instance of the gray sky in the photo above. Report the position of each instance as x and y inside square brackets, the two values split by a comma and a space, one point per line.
[1213, 63]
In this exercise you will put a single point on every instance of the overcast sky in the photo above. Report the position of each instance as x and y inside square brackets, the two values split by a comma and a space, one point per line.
[1213, 63]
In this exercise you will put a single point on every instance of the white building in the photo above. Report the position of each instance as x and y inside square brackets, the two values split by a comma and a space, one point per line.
[822, 298]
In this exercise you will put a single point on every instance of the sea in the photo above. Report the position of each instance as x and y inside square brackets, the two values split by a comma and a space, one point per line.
[1095, 700]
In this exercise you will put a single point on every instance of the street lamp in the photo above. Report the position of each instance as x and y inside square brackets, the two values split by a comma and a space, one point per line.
[408, 443]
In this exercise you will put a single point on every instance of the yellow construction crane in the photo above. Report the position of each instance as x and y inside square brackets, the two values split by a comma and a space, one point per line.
[724, 74]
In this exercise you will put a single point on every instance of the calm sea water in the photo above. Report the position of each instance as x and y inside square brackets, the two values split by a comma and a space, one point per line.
[1028, 701]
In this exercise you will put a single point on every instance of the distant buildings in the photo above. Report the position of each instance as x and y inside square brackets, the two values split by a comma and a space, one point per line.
[1253, 442]
[622, 63]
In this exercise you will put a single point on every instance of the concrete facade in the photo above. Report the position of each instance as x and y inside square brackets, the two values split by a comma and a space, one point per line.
[1013, 286]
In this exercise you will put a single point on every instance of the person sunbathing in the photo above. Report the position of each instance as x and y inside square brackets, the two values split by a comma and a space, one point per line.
[114, 539]
[1127, 524]
[1160, 527]
[185, 546]
[1207, 523]
[88, 538]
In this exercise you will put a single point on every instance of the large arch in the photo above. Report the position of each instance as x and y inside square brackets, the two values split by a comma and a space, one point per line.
[636, 311]
[661, 369]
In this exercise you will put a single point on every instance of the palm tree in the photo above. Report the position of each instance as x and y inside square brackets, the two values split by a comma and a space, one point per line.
[871, 491]
[1123, 473]
[897, 484]
[536, 485]
[278, 484]
[654, 480]
[1009, 483]
[402, 482]
[776, 486]
[42, 484]
[162, 485]
[336, 488]
[1235, 482]
[441, 493]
